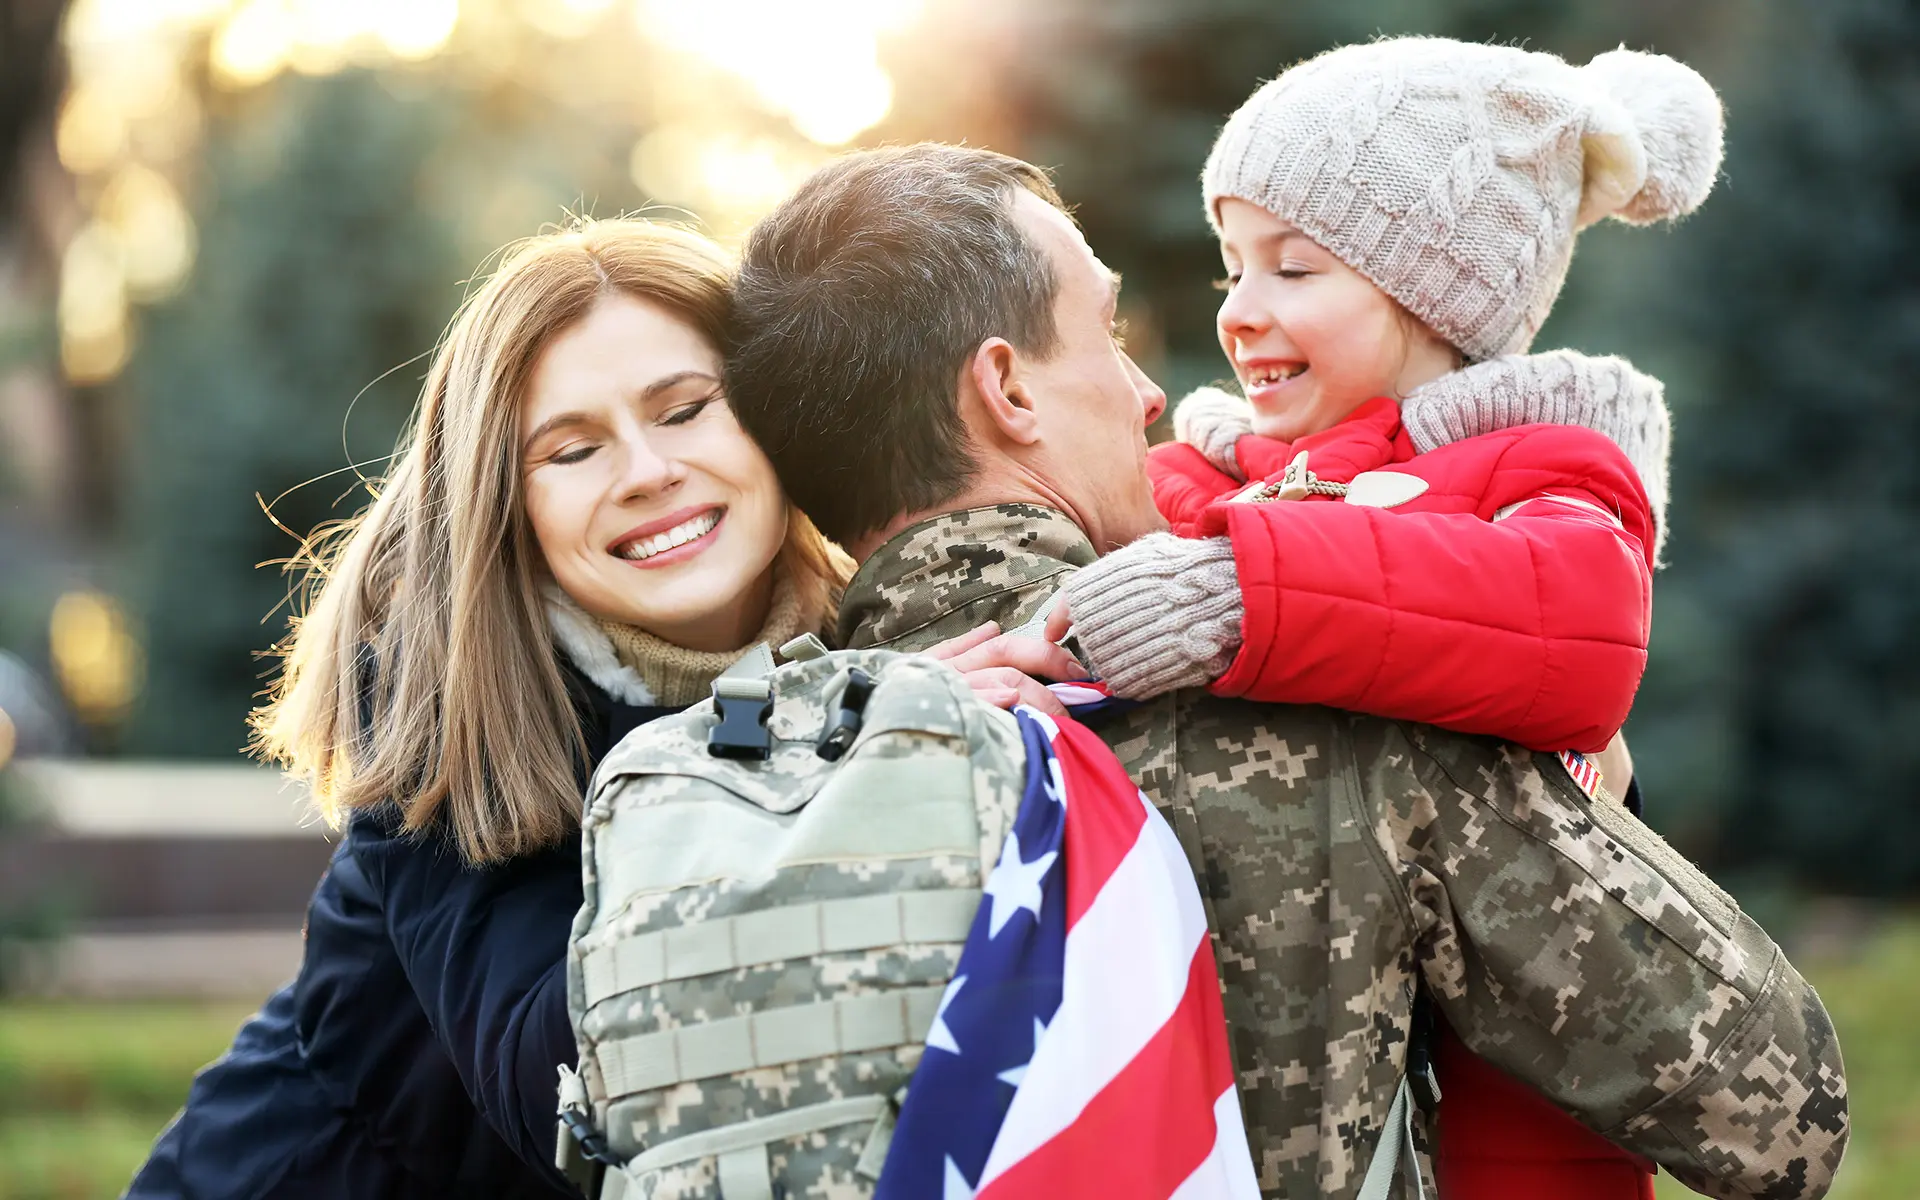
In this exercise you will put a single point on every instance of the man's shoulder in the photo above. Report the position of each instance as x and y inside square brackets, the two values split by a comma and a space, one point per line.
[943, 576]
[1216, 743]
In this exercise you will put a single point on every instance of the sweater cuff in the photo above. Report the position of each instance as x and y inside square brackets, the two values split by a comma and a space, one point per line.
[1160, 614]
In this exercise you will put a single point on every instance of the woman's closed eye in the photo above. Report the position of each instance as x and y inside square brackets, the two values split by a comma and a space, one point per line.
[688, 412]
[577, 452]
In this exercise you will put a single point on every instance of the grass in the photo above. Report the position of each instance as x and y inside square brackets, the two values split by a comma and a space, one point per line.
[85, 1088]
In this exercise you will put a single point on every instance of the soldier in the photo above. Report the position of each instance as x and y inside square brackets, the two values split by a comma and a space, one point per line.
[926, 348]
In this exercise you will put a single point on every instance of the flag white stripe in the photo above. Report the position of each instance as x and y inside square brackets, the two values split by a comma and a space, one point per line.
[1127, 964]
[1227, 1173]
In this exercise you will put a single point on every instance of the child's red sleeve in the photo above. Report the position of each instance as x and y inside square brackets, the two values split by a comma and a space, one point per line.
[1525, 618]
[1184, 483]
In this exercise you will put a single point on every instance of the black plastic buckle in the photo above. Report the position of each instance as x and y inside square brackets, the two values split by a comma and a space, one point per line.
[743, 706]
[839, 736]
[593, 1143]
[1421, 1077]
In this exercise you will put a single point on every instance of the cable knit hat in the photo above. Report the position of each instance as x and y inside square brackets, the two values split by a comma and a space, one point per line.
[1455, 175]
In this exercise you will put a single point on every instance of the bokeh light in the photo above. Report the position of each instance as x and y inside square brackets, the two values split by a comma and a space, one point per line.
[94, 339]
[95, 655]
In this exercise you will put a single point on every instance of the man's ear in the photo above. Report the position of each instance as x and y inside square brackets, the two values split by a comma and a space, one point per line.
[1000, 385]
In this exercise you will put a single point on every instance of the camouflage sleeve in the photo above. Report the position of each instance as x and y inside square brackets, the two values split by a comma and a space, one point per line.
[1573, 948]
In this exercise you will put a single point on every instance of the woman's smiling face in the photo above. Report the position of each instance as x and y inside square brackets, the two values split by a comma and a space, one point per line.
[650, 504]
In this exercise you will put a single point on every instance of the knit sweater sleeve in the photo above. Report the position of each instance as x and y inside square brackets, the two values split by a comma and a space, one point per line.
[1159, 614]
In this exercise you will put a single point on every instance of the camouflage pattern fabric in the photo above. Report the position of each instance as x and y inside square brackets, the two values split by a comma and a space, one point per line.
[662, 855]
[1347, 857]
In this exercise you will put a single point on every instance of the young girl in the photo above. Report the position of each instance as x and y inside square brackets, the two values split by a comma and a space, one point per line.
[1439, 526]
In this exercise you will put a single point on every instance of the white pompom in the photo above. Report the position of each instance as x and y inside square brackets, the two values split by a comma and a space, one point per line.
[1680, 127]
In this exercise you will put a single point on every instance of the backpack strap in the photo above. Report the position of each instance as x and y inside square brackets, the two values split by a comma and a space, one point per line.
[1395, 1153]
[755, 662]
[741, 1148]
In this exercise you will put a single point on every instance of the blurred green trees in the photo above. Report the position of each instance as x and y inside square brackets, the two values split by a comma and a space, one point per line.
[323, 273]
[1779, 728]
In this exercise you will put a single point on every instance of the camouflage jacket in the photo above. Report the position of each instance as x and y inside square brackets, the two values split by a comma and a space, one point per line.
[1346, 857]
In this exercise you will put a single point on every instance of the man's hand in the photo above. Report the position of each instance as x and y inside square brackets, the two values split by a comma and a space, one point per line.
[1005, 671]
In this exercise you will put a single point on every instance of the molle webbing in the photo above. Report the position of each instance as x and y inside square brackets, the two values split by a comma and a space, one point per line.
[770, 1038]
[776, 934]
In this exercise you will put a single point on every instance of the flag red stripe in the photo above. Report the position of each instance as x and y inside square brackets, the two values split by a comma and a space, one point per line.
[1104, 814]
[1152, 1126]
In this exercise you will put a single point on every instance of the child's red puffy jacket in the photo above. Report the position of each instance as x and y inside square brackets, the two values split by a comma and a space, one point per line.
[1511, 596]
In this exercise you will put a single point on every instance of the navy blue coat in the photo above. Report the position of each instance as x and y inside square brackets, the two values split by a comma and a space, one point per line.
[416, 1053]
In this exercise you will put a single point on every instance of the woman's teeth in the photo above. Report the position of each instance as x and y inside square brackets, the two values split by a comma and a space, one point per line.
[644, 548]
[1272, 375]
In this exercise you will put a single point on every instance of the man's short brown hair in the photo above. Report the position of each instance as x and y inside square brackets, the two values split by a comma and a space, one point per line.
[858, 302]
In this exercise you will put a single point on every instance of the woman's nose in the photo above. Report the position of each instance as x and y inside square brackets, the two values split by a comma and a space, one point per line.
[645, 471]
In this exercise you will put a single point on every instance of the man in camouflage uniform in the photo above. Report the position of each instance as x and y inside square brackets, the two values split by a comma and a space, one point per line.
[925, 351]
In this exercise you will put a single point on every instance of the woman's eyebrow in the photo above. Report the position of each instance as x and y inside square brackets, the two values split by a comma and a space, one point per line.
[674, 380]
[556, 421]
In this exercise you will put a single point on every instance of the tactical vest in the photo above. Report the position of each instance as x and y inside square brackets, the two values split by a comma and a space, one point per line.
[777, 888]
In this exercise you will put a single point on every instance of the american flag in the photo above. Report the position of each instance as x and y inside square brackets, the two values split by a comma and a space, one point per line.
[1586, 776]
[1080, 1050]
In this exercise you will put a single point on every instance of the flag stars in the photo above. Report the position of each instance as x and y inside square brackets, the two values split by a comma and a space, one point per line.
[1014, 1076]
[939, 1036]
[955, 1186]
[1015, 885]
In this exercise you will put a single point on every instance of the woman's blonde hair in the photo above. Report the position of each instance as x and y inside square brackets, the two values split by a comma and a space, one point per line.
[423, 671]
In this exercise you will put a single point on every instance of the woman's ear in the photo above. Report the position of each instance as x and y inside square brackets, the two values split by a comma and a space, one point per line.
[1002, 391]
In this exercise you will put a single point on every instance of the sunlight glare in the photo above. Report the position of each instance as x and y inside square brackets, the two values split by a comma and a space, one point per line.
[564, 18]
[113, 20]
[816, 62]
[252, 46]
[417, 29]
[731, 178]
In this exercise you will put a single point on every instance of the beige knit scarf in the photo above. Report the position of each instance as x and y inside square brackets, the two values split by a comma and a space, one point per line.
[636, 667]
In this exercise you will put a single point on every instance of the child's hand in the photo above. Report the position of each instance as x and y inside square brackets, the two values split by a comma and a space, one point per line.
[1212, 422]
[1005, 671]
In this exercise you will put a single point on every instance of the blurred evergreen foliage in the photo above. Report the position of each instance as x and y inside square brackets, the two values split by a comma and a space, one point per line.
[1779, 729]
[321, 269]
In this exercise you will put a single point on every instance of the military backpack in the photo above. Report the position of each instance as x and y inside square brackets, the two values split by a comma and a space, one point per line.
[778, 884]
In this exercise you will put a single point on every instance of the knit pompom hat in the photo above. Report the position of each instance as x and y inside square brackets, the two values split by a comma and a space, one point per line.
[1455, 175]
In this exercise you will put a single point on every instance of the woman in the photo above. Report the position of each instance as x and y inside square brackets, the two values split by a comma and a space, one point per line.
[576, 539]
